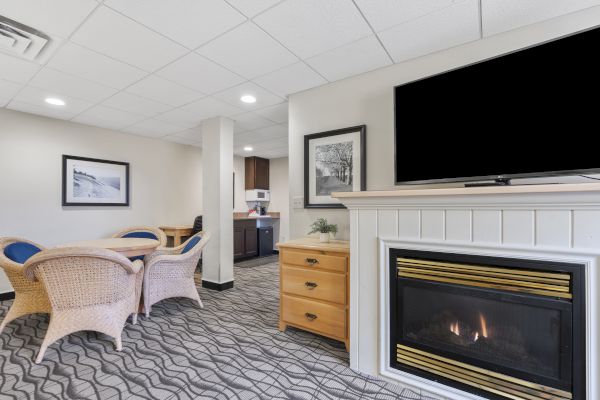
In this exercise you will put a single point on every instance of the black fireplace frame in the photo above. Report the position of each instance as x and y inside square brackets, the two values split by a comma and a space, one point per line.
[574, 338]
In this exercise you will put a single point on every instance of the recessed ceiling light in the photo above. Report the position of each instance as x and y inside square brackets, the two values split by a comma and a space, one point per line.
[248, 98]
[248, 148]
[54, 101]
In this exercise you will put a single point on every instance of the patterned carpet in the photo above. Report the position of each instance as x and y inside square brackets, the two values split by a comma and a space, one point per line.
[231, 349]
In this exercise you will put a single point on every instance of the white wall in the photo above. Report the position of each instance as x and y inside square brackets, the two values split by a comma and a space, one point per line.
[239, 168]
[280, 197]
[368, 99]
[166, 180]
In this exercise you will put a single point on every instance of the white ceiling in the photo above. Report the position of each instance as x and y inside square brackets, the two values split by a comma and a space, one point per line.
[157, 68]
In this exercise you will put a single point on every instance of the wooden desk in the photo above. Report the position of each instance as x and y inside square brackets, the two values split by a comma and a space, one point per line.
[315, 287]
[177, 232]
[129, 247]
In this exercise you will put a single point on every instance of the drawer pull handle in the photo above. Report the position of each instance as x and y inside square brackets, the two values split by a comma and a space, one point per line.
[312, 261]
[310, 285]
[310, 317]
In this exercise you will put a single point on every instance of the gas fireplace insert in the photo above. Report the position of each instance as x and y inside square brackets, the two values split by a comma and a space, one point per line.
[502, 328]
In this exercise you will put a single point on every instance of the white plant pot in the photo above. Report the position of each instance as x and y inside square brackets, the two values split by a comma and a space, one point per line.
[324, 237]
[331, 235]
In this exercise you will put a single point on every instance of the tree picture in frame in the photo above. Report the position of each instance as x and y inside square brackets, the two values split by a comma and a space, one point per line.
[334, 161]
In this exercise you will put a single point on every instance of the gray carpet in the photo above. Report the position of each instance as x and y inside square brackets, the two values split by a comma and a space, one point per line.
[231, 349]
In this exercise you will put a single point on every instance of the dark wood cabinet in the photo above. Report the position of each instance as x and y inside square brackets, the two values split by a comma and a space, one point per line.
[257, 173]
[245, 239]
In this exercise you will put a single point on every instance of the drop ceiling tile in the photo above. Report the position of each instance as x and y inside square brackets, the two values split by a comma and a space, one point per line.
[16, 70]
[263, 97]
[503, 15]
[383, 14]
[292, 79]
[164, 91]
[352, 59]
[262, 146]
[70, 85]
[117, 36]
[447, 28]
[152, 128]
[36, 97]
[262, 135]
[311, 27]
[40, 110]
[107, 117]
[194, 134]
[136, 104]
[209, 107]
[198, 73]
[84, 63]
[253, 7]
[56, 17]
[248, 51]
[7, 91]
[182, 118]
[277, 113]
[250, 121]
[189, 22]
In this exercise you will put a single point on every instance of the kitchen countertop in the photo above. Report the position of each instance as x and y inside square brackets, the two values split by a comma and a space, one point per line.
[244, 216]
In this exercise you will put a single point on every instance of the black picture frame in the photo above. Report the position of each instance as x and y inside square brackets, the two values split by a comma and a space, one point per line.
[362, 129]
[65, 200]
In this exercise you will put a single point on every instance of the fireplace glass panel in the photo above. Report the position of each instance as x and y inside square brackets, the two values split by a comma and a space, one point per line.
[518, 336]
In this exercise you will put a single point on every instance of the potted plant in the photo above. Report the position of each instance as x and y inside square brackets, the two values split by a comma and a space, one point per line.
[324, 229]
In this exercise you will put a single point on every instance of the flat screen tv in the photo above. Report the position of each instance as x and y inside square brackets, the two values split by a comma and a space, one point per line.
[534, 112]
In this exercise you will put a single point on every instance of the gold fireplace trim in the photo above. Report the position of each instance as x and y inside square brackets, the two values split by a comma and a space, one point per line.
[490, 381]
[552, 284]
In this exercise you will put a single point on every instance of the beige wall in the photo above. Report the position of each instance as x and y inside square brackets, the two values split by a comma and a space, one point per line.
[239, 169]
[166, 180]
[368, 99]
[280, 197]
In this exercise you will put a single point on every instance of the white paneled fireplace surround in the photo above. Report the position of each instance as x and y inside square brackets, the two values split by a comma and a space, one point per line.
[553, 230]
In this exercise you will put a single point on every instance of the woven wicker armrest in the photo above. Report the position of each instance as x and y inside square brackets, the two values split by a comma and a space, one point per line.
[8, 264]
[85, 252]
[136, 266]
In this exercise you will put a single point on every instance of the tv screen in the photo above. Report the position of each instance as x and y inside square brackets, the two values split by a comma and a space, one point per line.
[534, 112]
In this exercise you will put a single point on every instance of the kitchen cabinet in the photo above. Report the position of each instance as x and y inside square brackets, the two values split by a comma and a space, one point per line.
[245, 239]
[257, 173]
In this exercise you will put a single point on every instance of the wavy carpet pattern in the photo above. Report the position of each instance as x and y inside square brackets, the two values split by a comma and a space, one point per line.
[231, 349]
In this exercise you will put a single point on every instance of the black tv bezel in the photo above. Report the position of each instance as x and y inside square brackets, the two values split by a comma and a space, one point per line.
[482, 178]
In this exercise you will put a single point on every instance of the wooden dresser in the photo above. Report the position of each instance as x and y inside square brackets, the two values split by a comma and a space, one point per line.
[314, 287]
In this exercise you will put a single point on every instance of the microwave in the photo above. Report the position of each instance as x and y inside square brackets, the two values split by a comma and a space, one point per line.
[258, 195]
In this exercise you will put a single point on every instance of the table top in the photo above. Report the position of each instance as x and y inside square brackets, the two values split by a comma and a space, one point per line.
[310, 243]
[117, 244]
[176, 227]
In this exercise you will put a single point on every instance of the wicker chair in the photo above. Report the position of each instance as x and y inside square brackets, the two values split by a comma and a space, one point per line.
[144, 232]
[30, 297]
[89, 289]
[170, 272]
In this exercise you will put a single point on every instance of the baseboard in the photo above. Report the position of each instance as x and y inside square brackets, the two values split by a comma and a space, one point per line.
[7, 296]
[217, 286]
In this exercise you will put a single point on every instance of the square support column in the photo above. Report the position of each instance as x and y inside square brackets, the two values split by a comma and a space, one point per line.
[217, 195]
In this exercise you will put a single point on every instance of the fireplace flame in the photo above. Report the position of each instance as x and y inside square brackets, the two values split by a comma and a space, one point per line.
[454, 328]
[482, 321]
[476, 337]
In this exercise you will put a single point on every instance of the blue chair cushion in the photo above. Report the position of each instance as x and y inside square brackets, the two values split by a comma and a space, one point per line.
[132, 259]
[20, 252]
[140, 235]
[190, 245]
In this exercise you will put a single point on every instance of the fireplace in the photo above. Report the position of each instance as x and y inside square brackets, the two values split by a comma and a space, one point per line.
[501, 328]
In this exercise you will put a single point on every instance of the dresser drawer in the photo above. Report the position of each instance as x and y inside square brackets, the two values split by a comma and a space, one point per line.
[312, 315]
[320, 285]
[314, 260]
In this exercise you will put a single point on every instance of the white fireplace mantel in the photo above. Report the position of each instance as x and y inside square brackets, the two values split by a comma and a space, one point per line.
[545, 222]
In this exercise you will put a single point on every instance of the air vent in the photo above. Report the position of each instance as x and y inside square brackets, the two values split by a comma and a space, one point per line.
[21, 40]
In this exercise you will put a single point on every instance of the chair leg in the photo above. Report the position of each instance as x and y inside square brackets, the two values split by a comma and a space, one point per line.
[118, 343]
[200, 302]
[147, 309]
[10, 316]
[134, 318]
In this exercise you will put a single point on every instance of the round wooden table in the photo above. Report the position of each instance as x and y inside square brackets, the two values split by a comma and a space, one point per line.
[129, 247]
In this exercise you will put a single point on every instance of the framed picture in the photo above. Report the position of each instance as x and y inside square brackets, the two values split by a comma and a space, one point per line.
[334, 161]
[93, 182]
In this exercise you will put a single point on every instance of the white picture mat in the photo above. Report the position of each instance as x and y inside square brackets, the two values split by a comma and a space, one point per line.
[353, 137]
[105, 169]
